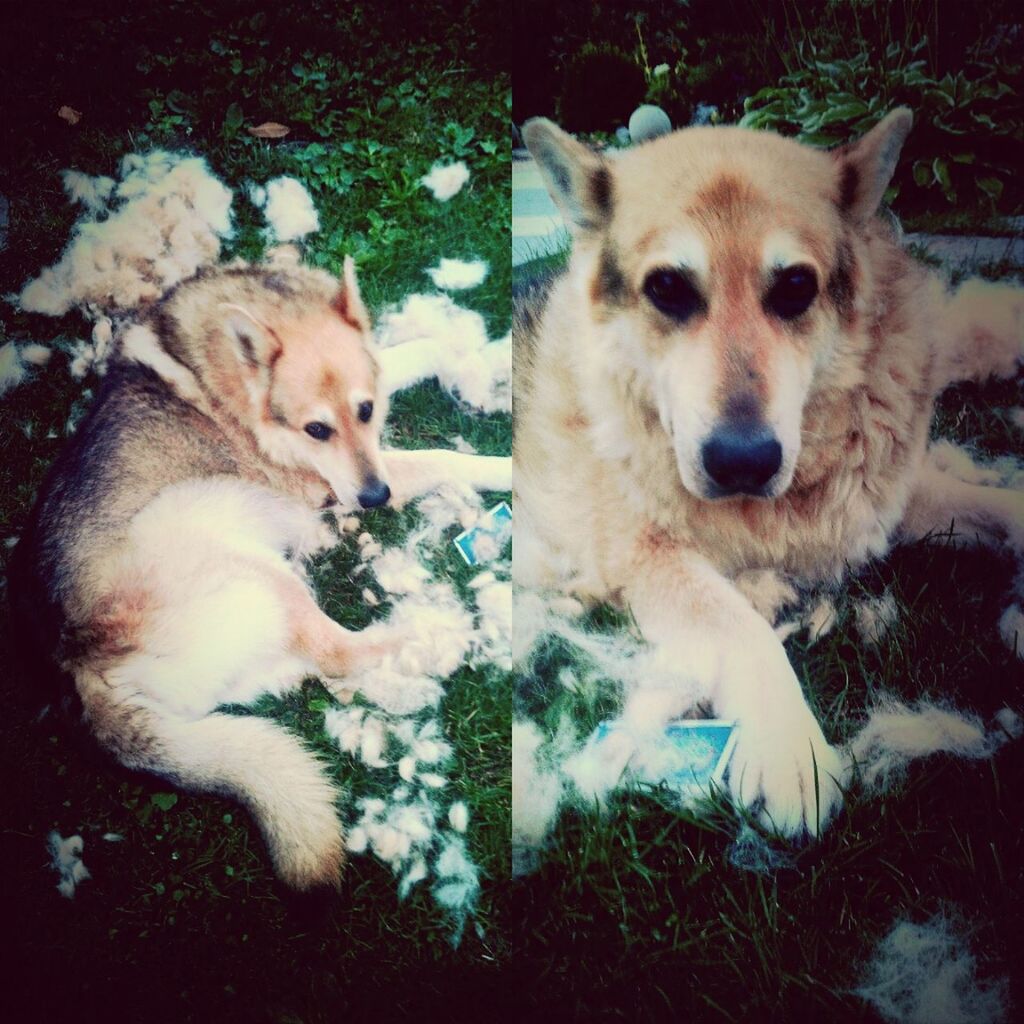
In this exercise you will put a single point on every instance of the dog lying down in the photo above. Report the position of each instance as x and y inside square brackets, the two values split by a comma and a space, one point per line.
[729, 391]
[162, 569]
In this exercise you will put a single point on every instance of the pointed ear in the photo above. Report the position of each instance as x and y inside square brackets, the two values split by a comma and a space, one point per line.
[255, 343]
[579, 181]
[866, 167]
[349, 303]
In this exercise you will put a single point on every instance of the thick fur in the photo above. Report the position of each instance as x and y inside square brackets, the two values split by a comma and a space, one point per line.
[161, 571]
[615, 400]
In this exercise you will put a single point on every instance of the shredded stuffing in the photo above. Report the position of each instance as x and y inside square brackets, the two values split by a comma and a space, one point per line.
[446, 180]
[418, 830]
[926, 974]
[455, 275]
[896, 734]
[875, 617]
[430, 336]
[163, 220]
[17, 361]
[288, 208]
[66, 860]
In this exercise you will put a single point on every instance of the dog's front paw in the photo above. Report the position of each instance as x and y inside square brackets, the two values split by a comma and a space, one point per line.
[790, 772]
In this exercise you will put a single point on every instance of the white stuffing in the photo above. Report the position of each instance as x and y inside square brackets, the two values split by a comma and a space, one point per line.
[456, 275]
[16, 362]
[926, 974]
[446, 180]
[430, 336]
[411, 830]
[896, 734]
[750, 851]
[93, 193]
[397, 570]
[1017, 417]
[460, 444]
[821, 619]
[458, 816]
[66, 860]
[874, 617]
[1005, 471]
[1011, 629]
[165, 219]
[288, 208]
[457, 884]
[1010, 723]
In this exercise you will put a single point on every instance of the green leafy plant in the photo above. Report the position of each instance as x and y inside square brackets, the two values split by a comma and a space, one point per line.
[968, 136]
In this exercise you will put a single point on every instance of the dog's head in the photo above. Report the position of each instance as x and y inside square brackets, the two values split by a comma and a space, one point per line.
[719, 268]
[311, 378]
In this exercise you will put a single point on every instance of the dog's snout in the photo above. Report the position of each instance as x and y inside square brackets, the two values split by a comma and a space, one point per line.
[374, 493]
[742, 459]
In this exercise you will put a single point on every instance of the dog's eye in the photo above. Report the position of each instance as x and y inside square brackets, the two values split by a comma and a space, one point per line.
[793, 292]
[318, 431]
[673, 293]
[365, 411]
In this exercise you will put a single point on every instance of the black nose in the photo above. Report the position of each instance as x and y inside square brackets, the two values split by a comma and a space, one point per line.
[374, 493]
[741, 459]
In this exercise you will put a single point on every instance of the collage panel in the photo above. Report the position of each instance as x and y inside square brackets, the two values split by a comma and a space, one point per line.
[256, 431]
[768, 510]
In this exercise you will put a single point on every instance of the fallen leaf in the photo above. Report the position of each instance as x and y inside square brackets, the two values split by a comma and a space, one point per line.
[269, 130]
[70, 115]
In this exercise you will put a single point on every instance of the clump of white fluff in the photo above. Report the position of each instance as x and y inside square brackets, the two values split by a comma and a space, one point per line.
[161, 223]
[455, 275]
[430, 336]
[288, 208]
[446, 180]
[17, 361]
[926, 974]
[66, 860]
[895, 734]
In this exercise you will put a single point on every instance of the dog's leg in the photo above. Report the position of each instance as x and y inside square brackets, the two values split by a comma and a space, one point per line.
[249, 758]
[409, 362]
[977, 513]
[983, 333]
[413, 473]
[316, 638]
[713, 635]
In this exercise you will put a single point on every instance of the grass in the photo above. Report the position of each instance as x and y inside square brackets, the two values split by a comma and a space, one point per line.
[650, 912]
[183, 918]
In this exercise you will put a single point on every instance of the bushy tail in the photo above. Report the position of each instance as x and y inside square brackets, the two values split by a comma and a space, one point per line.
[983, 327]
[251, 759]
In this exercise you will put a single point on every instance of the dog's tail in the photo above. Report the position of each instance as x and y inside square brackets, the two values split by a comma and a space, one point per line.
[982, 327]
[250, 759]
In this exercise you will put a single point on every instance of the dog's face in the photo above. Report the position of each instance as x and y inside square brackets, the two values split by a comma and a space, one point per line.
[719, 267]
[313, 383]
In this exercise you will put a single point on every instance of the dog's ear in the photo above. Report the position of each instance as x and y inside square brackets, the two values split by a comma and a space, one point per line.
[866, 167]
[578, 179]
[349, 303]
[255, 343]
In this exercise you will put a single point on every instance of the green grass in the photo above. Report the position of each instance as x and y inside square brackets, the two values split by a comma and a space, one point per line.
[642, 913]
[183, 918]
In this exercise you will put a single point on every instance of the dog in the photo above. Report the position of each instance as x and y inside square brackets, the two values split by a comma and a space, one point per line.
[161, 572]
[728, 391]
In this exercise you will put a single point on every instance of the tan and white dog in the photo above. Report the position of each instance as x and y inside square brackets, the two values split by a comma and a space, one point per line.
[162, 568]
[728, 391]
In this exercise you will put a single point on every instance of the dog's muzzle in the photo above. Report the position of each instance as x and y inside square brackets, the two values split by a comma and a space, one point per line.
[741, 458]
[374, 494]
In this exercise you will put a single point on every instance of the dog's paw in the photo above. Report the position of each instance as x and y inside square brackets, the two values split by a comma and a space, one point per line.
[790, 773]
